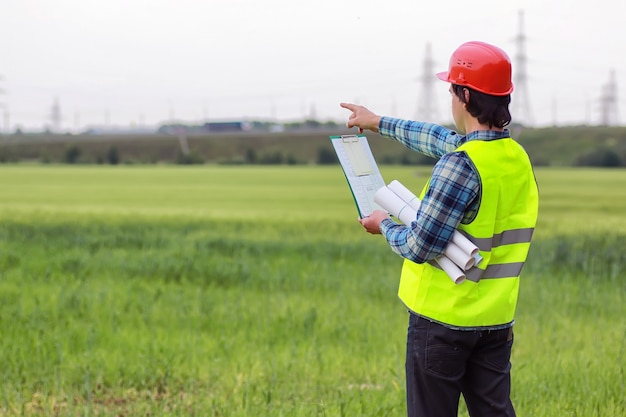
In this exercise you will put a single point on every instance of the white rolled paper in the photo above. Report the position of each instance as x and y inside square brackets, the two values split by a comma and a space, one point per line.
[407, 214]
[463, 259]
[464, 243]
[391, 202]
[453, 271]
[405, 194]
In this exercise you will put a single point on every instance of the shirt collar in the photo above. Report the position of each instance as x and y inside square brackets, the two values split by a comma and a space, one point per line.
[487, 135]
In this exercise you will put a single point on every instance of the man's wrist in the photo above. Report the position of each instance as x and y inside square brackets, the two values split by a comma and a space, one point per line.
[386, 224]
[387, 126]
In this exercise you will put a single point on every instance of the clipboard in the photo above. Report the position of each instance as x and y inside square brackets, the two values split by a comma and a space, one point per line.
[360, 169]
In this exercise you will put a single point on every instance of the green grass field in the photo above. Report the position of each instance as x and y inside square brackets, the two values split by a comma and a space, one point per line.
[253, 291]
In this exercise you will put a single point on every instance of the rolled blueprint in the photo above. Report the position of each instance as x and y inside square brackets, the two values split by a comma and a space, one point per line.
[464, 243]
[451, 269]
[460, 254]
[461, 258]
[391, 202]
[405, 194]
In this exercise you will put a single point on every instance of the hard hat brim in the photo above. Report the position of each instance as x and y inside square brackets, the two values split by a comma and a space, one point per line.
[443, 76]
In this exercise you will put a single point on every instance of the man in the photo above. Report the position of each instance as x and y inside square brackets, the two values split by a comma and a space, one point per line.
[460, 335]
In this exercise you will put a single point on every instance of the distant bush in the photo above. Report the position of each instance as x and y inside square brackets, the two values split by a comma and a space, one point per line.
[192, 158]
[6, 156]
[326, 156]
[600, 158]
[232, 161]
[291, 160]
[72, 154]
[539, 161]
[272, 158]
[113, 156]
[45, 158]
[251, 156]
[407, 158]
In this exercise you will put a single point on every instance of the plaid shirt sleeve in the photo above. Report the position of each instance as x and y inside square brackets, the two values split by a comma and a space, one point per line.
[426, 138]
[454, 185]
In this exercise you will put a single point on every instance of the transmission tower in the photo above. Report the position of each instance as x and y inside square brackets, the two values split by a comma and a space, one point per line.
[521, 102]
[427, 106]
[608, 102]
[5, 112]
[55, 115]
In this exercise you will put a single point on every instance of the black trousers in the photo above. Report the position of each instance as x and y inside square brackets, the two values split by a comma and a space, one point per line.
[442, 364]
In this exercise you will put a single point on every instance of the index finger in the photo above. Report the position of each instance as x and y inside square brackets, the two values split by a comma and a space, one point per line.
[348, 106]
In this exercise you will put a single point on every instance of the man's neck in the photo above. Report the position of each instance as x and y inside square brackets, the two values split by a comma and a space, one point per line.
[473, 125]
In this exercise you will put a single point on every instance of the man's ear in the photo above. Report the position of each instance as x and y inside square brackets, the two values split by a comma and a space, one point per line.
[466, 94]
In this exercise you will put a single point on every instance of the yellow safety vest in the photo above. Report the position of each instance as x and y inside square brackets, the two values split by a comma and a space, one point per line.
[502, 230]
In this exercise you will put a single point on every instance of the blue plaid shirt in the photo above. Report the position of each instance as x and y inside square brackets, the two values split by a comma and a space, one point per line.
[454, 187]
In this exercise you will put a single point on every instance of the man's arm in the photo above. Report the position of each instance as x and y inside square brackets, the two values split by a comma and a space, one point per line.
[426, 138]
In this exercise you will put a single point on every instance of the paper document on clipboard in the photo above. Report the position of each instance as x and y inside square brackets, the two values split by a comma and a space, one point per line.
[359, 167]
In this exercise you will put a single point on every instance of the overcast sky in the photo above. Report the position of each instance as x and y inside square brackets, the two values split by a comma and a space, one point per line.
[146, 62]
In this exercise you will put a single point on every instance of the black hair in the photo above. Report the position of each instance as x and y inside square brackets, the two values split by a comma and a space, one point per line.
[488, 109]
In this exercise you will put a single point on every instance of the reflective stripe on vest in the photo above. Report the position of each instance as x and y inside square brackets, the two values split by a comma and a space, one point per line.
[508, 237]
[502, 230]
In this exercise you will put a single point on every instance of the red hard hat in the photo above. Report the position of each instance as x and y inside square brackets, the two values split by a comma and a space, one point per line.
[481, 66]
